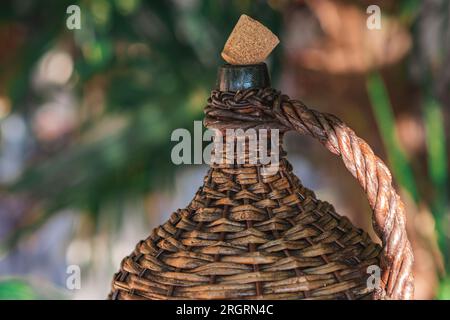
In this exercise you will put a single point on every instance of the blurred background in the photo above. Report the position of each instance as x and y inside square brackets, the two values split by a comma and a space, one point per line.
[86, 117]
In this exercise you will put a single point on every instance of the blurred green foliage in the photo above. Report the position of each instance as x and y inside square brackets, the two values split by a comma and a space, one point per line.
[384, 117]
[23, 288]
[16, 289]
[156, 61]
[437, 168]
[444, 290]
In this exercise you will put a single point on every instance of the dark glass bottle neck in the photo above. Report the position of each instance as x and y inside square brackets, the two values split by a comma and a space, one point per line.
[242, 77]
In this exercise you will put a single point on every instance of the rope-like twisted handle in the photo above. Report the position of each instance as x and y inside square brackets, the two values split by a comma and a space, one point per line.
[267, 108]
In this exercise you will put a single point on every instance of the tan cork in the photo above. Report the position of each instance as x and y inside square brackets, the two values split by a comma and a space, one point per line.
[250, 42]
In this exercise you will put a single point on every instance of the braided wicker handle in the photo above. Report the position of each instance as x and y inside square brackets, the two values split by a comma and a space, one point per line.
[270, 109]
[374, 177]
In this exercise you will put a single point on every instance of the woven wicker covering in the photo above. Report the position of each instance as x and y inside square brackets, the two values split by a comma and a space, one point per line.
[249, 234]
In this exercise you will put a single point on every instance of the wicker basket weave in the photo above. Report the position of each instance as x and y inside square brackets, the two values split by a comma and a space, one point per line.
[252, 234]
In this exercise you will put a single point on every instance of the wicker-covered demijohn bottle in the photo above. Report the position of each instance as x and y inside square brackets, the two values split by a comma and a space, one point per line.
[254, 231]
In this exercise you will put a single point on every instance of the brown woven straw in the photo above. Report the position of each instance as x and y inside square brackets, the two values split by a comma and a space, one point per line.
[252, 234]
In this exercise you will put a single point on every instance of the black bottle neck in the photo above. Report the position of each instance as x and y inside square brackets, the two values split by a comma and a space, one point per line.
[242, 77]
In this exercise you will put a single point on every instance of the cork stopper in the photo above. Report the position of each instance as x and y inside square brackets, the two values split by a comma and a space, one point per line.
[250, 42]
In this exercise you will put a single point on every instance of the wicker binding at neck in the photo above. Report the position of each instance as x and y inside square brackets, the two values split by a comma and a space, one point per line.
[249, 235]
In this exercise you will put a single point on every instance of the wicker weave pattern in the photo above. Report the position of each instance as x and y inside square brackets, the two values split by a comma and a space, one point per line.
[249, 234]
[254, 236]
